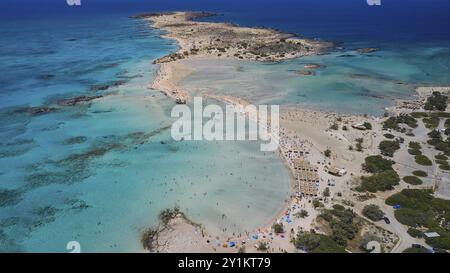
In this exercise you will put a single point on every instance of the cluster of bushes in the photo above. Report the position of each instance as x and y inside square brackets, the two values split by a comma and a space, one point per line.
[377, 164]
[382, 181]
[341, 223]
[438, 143]
[431, 122]
[393, 122]
[388, 147]
[383, 178]
[436, 101]
[420, 209]
[316, 243]
[414, 148]
[373, 212]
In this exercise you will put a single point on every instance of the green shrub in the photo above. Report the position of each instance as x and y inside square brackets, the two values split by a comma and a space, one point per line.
[423, 160]
[419, 115]
[444, 167]
[414, 152]
[441, 157]
[358, 145]
[413, 217]
[317, 204]
[413, 250]
[301, 214]
[278, 228]
[413, 180]
[434, 134]
[441, 162]
[393, 122]
[327, 152]
[317, 243]
[383, 181]
[420, 173]
[262, 246]
[431, 123]
[377, 164]
[414, 145]
[436, 101]
[442, 242]
[389, 136]
[367, 125]
[415, 233]
[373, 212]
[388, 147]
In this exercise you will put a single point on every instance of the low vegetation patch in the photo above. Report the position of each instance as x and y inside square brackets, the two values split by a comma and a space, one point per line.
[416, 250]
[420, 173]
[316, 243]
[415, 233]
[382, 181]
[431, 122]
[414, 145]
[389, 136]
[412, 180]
[388, 147]
[414, 152]
[373, 212]
[341, 223]
[441, 157]
[393, 122]
[436, 101]
[377, 164]
[423, 160]
[278, 228]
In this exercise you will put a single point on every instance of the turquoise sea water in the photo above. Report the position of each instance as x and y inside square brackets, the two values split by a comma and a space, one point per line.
[100, 172]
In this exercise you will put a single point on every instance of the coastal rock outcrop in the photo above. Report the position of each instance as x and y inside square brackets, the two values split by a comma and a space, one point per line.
[77, 100]
[367, 50]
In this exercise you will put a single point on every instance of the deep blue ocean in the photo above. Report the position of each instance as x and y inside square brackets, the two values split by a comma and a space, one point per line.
[395, 20]
[100, 172]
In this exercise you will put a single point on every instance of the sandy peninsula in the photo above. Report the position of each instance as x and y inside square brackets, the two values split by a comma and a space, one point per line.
[220, 41]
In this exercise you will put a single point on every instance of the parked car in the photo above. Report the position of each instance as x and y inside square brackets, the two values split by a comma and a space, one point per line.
[386, 220]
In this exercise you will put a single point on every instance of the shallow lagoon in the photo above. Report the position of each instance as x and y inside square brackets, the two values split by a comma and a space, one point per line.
[347, 82]
[100, 172]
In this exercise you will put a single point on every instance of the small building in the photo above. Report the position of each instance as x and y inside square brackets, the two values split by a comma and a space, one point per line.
[335, 171]
[359, 126]
[431, 234]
